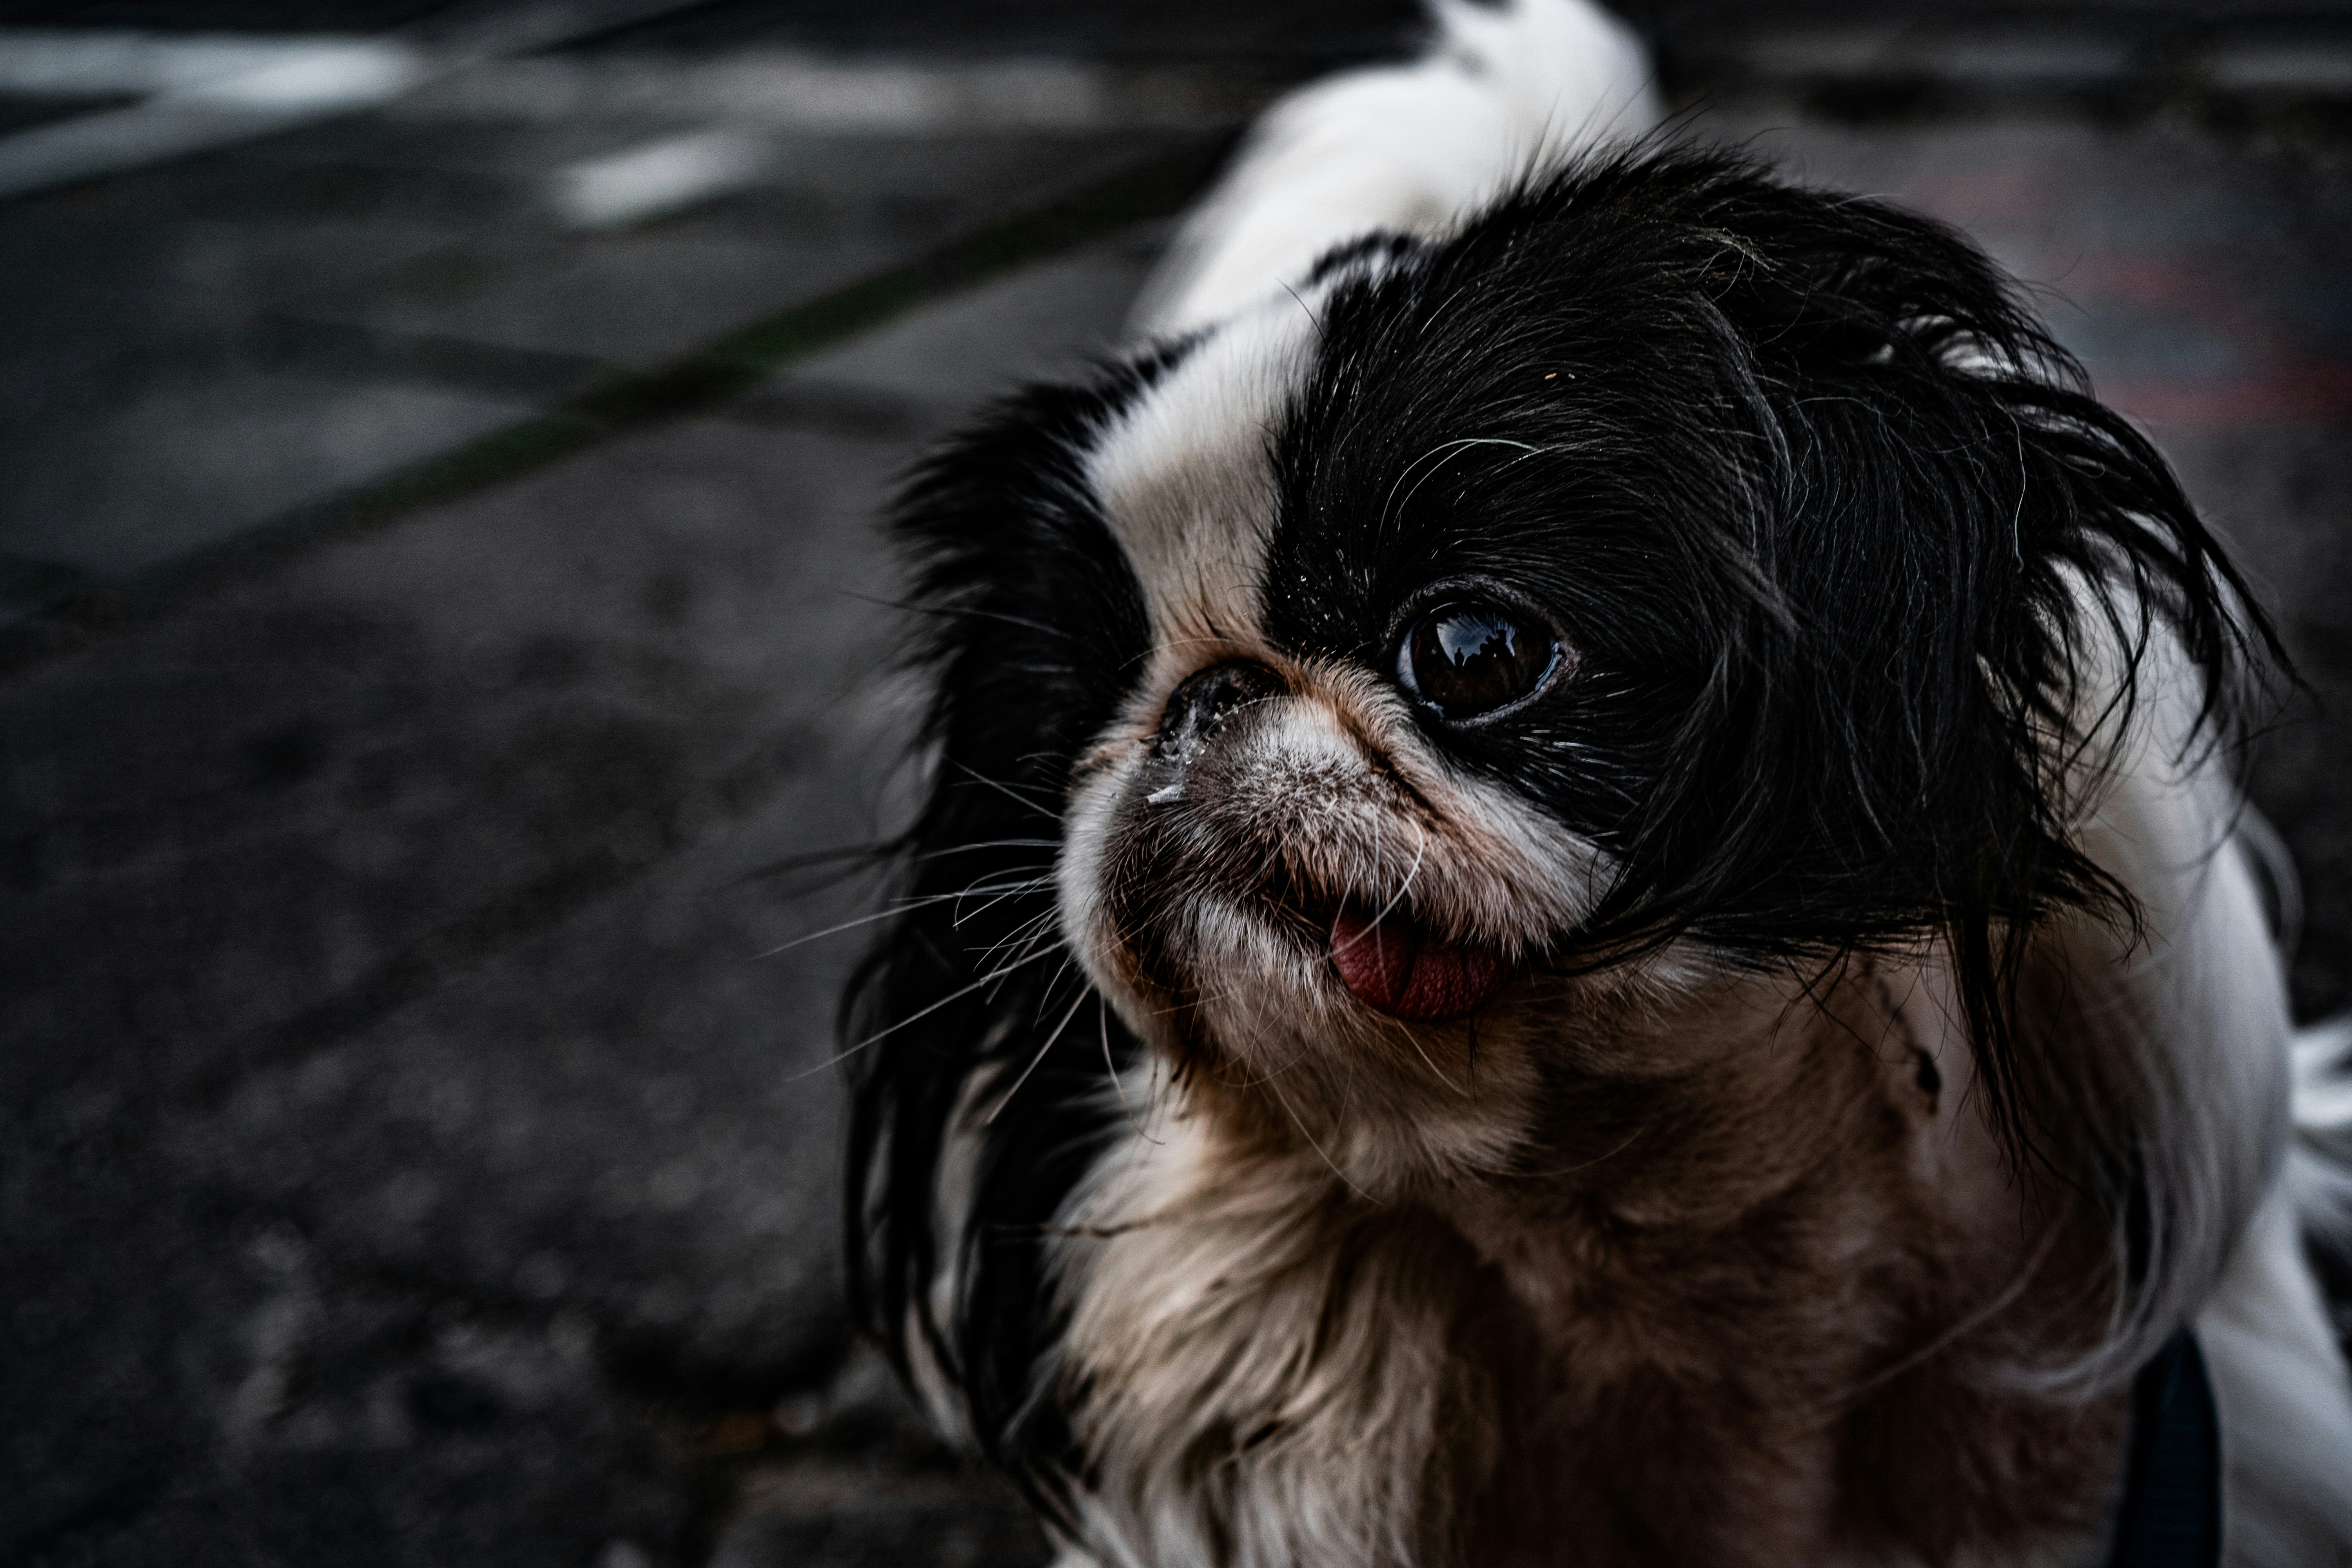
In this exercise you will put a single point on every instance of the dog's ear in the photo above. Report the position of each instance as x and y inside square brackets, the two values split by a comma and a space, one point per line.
[1031, 624]
[1944, 580]
[2011, 570]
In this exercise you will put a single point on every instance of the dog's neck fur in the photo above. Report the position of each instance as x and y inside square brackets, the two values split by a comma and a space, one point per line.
[1744, 1295]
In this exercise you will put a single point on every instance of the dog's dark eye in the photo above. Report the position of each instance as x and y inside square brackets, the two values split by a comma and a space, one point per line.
[1465, 659]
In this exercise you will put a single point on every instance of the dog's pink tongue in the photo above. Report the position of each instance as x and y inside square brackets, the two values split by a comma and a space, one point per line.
[1393, 967]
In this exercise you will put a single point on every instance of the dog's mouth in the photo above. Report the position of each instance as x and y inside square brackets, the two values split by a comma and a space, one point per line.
[1247, 850]
[1393, 965]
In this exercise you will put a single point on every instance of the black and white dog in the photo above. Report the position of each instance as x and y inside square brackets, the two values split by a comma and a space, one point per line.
[1580, 901]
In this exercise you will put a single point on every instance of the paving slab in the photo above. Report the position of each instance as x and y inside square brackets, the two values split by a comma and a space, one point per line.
[1279, 38]
[630, 1115]
[937, 365]
[395, 899]
[115, 489]
[872, 1516]
[147, 407]
[367, 1427]
[828, 210]
[296, 783]
[396, 914]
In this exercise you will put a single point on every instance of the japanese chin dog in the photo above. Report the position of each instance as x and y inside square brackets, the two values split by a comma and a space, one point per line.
[1580, 897]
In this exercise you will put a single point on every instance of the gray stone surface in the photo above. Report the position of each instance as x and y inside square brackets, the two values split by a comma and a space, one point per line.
[930, 369]
[120, 484]
[397, 902]
[1284, 37]
[835, 209]
[391, 928]
[208, 345]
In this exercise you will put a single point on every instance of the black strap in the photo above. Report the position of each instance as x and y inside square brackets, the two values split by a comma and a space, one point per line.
[2172, 1515]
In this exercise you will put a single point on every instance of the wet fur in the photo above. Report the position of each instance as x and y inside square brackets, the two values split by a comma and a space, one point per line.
[1897, 1054]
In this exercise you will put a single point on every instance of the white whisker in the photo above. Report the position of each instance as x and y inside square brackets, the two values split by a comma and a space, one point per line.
[1272, 1088]
[915, 1016]
[1008, 791]
[899, 906]
[1102, 1018]
[1040, 1057]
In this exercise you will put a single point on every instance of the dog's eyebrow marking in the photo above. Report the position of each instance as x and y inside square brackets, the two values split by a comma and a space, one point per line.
[1186, 481]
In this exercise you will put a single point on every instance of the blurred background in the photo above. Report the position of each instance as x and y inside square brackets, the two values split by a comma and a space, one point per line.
[437, 450]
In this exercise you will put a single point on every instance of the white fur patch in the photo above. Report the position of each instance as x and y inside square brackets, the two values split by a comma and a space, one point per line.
[1186, 481]
[1268, 1366]
[1410, 148]
[2286, 1413]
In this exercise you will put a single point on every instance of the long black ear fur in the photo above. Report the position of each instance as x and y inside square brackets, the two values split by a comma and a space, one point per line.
[1034, 625]
[1977, 563]
[1871, 576]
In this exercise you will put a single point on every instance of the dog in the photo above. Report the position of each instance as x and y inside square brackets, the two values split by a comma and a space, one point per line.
[1579, 898]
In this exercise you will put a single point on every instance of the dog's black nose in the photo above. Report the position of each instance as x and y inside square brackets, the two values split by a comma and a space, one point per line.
[1207, 699]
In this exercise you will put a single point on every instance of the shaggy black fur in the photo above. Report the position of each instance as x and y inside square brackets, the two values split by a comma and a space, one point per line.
[1037, 628]
[1814, 495]
[1805, 483]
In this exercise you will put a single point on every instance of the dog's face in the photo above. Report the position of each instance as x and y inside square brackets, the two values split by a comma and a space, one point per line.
[1316, 838]
[1633, 590]
[1351, 797]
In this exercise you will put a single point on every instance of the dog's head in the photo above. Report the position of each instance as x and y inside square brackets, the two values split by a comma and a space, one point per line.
[1673, 575]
